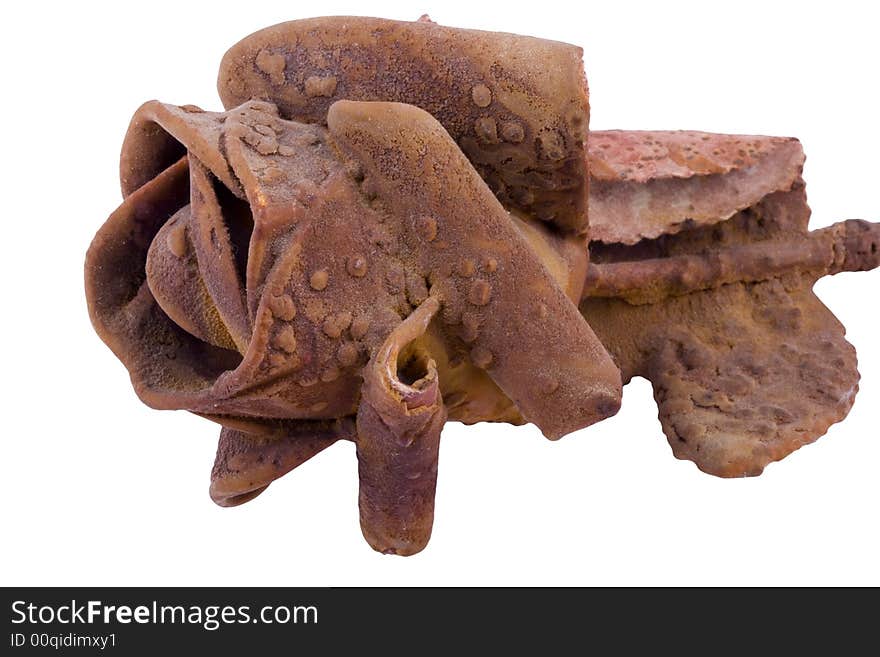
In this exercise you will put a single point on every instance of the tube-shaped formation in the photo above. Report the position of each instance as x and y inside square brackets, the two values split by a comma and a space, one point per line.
[850, 245]
[398, 444]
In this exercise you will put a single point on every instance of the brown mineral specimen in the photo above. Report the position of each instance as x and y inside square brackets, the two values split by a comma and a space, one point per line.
[388, 228]
[301, 284]
[701, 280]
[516, 105]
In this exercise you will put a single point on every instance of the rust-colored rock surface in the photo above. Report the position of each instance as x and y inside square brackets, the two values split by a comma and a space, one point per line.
[701, 280]
[648, 184]
[516, 105]
[288, 280]
[387, 229]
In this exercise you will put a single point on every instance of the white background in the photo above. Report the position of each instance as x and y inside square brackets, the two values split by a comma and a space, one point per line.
[100, 490]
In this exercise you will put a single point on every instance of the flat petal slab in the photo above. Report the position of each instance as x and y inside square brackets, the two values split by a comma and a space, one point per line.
[648, 184]
[743, 375]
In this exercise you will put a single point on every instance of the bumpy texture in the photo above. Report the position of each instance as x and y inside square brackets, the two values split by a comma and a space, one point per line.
[388, 228]
[717, 312]
[648, 184]
[517, 106]
[265, 273]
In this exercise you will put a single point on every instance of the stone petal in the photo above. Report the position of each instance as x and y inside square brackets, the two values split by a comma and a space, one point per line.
[648, 184]
[246, 464]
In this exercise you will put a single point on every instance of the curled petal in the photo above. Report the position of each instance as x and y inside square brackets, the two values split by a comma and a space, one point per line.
[217, 252]
[398, 426]
[176, 282]
[168, 365]
[160, 134]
